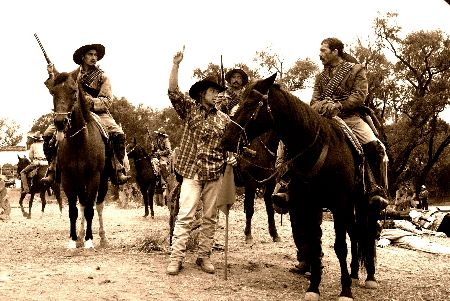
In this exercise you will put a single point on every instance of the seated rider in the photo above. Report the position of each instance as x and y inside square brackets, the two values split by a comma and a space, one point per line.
[341, 89]
[97, 91]
[37, 158]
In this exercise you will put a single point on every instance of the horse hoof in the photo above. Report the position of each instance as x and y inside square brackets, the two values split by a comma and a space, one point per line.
[28, 216]
[276, 239]
[104, 243]
[371, 284]
[248, 239]
[72, 245]
[89, 244]
[310, 296]
[345, 299]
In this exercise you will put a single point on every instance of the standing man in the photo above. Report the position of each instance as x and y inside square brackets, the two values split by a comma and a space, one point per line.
[423, 198]
[341, 89]
[97, 91]
[37, 158]
[237, 79]
[161, 151]
[201, 162]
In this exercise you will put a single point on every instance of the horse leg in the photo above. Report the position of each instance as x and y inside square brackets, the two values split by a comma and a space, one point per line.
[101, 231]
[81, 230]
[354, 264]
[73, 216]
[150, 193]
[30, 205]
[144, 193]
[57, 193]
[370, 249]
[270, 213]
[249, 207]
[89, 216]
[43, 202]
[22, 197]
[340, 248]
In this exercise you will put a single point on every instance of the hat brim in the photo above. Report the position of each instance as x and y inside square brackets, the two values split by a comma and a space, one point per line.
[80, 52]
[244, 75]
[198, 87]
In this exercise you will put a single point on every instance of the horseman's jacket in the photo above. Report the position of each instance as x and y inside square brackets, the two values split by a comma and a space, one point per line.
[352, 90]
[96, 85]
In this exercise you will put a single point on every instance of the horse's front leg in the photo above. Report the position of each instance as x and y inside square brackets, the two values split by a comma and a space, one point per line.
[150, 193]
[340, 248]
[73, 216]
[22, 197]
[81, 229]
[43, 202]
[249, 207]
[30, 205]
[89, 216]
[270, 213]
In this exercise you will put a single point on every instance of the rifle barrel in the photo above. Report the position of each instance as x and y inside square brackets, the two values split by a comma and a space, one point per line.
[42, 48]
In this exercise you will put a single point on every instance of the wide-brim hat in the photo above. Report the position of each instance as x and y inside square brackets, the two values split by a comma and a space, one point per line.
[161, 132]
[244, 75]
[202, 85]
[80, 52]
[36, 136]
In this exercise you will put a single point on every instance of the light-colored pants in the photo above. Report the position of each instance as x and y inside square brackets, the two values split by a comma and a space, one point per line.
[361, 129]
[191, 190]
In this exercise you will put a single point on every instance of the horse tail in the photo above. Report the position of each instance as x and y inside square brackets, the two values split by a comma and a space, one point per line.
[366, 232]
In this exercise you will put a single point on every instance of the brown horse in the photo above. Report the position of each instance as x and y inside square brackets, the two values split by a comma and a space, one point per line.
[81, 157]
[255, 165]
[324, 173]
[37, 187]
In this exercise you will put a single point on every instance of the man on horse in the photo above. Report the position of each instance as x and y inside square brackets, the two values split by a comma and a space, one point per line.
[37, 158]
[97, 91]
[201, 162]
[340, 90]
[161, 151]
[231, 97]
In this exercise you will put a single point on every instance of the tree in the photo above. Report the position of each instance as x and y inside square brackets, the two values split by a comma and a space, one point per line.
[294, 78]
[8, 133]
[422, 80]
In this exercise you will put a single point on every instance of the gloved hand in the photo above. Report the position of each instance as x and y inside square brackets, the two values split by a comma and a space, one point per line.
[317, 106]
[331, 109]
[231, 159]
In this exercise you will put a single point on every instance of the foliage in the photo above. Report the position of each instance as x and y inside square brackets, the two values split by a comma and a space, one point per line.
[415, 93]
[9, 133]
[42, 123]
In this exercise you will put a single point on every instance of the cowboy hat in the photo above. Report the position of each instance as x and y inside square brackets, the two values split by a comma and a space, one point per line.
[80, 52]
[36, 136]
[241, 72]
[161, 132]
[202, 85]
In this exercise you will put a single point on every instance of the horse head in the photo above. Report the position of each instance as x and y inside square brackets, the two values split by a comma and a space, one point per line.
[135, 151]
[66, 101]
[23, 162]
[252, 118]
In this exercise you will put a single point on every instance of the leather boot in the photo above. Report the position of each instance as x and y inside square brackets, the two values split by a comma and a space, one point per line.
[280, 198]
[25, 187]
[48, 180]
[119, 150]
[374, 153]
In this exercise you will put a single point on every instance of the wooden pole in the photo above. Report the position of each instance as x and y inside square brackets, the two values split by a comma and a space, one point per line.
[226, 243]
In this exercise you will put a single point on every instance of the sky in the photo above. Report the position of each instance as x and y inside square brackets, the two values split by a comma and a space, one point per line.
[141, 38]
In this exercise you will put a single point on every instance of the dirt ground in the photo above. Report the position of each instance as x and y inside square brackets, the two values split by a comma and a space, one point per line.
[35, 264]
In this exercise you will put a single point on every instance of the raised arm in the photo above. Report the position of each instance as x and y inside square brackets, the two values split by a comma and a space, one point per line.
[173, 79]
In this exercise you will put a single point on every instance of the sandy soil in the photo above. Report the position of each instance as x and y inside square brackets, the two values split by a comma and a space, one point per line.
[35, 264]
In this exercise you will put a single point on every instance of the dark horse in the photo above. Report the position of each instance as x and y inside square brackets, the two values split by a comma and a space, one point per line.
[37, 187]
[324, 174]
[256, 163]
[145, 176]
[81, 157]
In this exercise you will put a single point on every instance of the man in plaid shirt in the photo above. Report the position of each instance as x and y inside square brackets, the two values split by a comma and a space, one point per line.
[201, 162]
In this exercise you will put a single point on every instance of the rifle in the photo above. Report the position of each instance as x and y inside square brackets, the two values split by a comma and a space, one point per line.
[222, 76]
[43, 50]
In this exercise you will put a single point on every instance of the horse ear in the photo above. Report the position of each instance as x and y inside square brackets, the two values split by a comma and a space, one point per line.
[266, 83]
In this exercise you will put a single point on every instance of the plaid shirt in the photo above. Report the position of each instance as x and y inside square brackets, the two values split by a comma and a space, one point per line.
[200, 150]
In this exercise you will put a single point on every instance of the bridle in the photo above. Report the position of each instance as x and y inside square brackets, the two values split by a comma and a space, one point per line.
[67, 120]
[283, 168]
[136, 159]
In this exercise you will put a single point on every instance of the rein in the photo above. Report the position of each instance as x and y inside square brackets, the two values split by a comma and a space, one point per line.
[138, 159]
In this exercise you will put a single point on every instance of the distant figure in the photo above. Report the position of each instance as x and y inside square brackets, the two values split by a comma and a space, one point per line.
[228, 100]
[37, 158]
[4, 200]
[423, 198]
